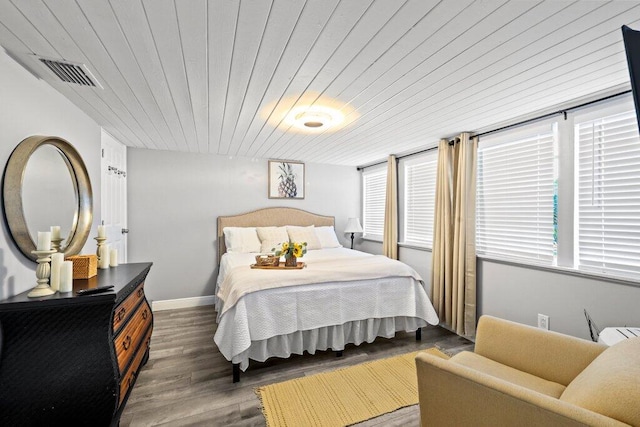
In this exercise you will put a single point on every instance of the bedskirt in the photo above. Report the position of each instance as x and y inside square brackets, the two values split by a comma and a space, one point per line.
[327, 338]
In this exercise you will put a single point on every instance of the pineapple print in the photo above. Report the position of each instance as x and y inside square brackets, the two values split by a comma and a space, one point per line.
[287, 186]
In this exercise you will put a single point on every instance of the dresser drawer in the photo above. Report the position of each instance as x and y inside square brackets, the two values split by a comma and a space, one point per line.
[122, 311]
[129, 378]
[131, 335]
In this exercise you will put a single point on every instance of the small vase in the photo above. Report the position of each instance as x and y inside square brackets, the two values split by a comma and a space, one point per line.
[291, 261]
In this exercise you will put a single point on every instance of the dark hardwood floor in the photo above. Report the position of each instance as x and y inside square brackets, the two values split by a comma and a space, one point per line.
[188, 382]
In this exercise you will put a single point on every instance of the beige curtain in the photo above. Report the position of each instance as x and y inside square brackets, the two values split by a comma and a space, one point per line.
[390, 236]
[453, 272]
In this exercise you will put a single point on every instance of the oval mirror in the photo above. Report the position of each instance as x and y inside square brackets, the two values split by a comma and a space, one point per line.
[46, 183]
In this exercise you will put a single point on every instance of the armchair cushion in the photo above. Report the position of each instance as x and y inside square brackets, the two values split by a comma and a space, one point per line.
[514, 376]
[610, 385]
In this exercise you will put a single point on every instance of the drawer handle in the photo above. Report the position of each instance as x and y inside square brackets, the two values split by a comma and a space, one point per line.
[121, 314]
[145, 314]
[126, 343]
[140, 292]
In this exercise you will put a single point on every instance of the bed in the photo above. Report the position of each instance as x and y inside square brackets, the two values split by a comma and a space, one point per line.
[341, 297]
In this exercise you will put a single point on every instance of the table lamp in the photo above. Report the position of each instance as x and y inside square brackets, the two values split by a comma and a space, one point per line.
[353, 226]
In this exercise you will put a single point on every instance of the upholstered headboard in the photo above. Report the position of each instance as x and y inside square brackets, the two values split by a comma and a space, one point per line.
[269, 217]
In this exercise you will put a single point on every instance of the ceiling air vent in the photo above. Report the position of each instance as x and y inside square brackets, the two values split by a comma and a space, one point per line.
[70, 72]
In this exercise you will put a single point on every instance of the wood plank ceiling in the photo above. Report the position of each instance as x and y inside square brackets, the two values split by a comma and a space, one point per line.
[218, 76]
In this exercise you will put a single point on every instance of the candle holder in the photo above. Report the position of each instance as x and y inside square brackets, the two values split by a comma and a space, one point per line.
[43, 271]
[56, 243]
[100, 241]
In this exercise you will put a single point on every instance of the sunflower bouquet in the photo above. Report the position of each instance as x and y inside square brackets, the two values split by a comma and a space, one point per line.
[291, 250]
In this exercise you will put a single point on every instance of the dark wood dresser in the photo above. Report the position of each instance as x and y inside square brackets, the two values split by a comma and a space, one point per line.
[73, 360]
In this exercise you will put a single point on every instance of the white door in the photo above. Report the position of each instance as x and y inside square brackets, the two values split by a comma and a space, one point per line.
[114, 194]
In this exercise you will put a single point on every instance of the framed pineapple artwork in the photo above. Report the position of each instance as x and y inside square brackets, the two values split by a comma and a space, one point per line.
[286, 179]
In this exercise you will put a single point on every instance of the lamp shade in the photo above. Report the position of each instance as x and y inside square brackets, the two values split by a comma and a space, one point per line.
[353, 226]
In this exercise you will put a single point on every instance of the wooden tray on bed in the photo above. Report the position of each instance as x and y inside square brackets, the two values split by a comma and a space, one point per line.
[300, 266]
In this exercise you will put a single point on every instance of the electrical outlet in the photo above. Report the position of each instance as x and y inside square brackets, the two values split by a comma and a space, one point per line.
[543, 321]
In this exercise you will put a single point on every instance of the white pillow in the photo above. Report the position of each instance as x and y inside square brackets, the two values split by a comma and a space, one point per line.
[327, 237]
[304, 234]
[272, 237]
[241, 239]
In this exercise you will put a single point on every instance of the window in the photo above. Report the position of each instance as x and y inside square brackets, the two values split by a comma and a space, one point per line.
[516, 195]
[419, 198]
[608, 194]
[374, 187]
[562, 192]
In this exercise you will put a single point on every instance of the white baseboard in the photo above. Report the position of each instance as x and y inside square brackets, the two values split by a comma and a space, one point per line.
[171, 304]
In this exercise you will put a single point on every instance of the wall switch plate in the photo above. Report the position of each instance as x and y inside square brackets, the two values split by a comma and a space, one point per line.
[543, 321]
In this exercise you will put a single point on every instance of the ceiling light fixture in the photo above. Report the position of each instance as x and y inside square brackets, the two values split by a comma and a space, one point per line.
[313, 118]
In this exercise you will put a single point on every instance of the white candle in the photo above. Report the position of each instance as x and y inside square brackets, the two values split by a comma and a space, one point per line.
[104, 256]
[56, 263]
[101, 231]
[55, 232]
[66, 276]
[113, 258]
[44, 240]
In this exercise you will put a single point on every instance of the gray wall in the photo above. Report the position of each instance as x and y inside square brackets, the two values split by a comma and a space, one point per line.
[29, 106]
[175, 198]
[519, 293]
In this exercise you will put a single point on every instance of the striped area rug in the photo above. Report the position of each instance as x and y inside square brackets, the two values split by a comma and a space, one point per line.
[345, 396]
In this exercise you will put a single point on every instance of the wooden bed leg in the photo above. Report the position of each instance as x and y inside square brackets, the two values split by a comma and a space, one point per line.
[419, 334]
[339, 353]
[236, 372]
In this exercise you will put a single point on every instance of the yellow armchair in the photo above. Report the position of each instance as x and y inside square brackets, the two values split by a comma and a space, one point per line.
[519, 375]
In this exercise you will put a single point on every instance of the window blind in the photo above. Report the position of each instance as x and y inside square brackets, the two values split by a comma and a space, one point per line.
[516, 197]
[374, 186]
[419, 201]
[608, 194]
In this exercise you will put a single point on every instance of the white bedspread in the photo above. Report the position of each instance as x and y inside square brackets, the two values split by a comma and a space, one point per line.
[284, 320]
[245, 280]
